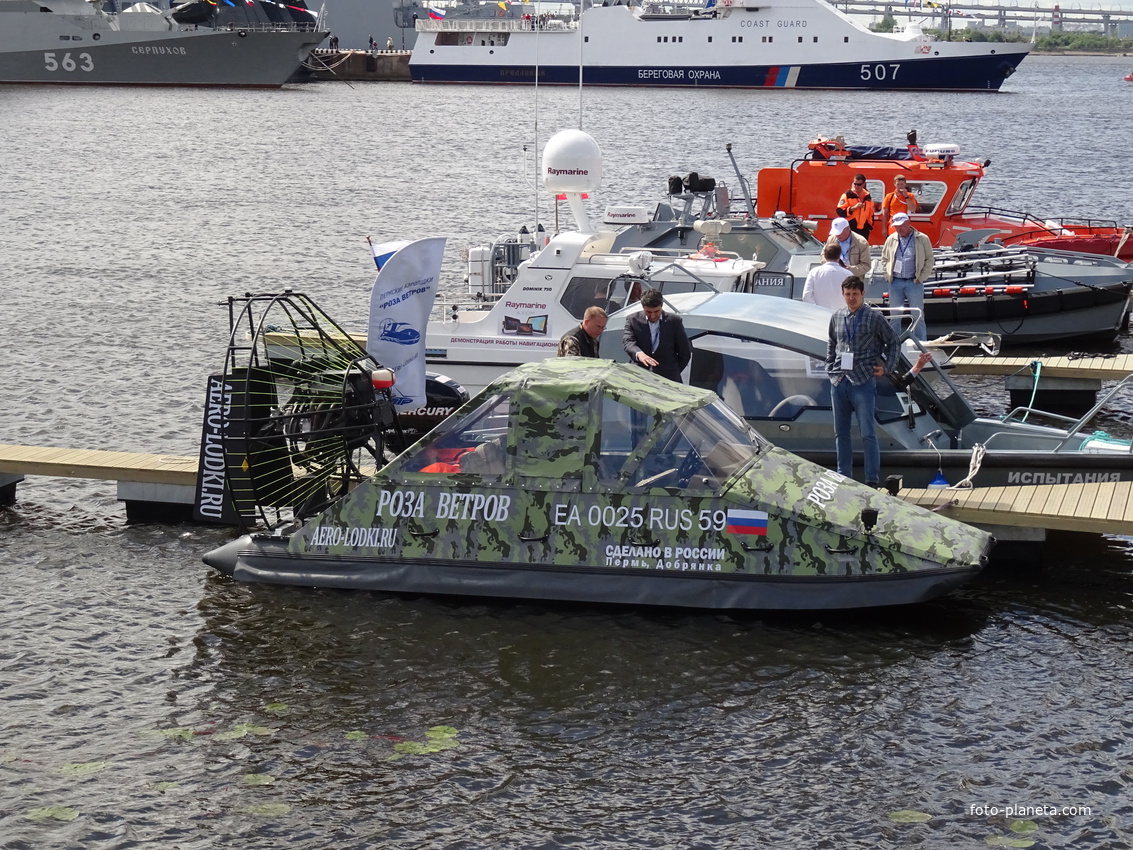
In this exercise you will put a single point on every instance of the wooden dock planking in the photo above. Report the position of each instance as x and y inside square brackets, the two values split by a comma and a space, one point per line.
[1096, 367]
[1105, 508]
[90, 463]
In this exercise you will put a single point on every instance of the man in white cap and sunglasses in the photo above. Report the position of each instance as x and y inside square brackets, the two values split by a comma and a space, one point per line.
[855, 248]
[906, 260]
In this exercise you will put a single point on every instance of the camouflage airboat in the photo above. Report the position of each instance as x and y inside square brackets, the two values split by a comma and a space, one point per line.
[585, 480]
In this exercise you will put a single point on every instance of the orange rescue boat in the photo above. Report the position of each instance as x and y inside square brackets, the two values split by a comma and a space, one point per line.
[942, 185]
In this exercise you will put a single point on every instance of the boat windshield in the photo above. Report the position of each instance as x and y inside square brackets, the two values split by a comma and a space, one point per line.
[759, 380]
[609, 294]
[765, 242]
[700, 449]
[935, 391]
[472, 443]
[960, 199]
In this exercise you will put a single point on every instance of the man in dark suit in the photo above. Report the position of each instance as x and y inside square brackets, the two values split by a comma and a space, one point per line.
[657, 340]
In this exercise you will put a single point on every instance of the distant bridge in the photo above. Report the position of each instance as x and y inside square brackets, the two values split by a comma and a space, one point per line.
[1021, 14]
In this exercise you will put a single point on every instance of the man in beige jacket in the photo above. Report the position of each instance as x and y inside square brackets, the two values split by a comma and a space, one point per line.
[855, 248]
[907, 262]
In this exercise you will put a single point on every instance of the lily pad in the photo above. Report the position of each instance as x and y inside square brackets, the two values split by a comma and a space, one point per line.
[165, 786]
[909, 816]
[276, 707]
[64, 813]
[259, 779]
[267, 809]
[84, 768]
[356, 735]
[1024, 827]
[242, 729]
[439, 738]
[181, 732]
[1004, 841]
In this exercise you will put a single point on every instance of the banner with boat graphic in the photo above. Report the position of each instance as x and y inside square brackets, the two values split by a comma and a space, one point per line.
[403, 294]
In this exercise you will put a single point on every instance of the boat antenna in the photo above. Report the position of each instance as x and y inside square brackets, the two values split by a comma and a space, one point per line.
[581, 41]
[534, 19]
[743, 182]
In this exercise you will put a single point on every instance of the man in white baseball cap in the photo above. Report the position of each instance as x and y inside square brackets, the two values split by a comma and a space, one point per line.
[855, 248]
[907, 262]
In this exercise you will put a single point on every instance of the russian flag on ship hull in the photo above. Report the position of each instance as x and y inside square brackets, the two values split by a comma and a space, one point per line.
[746, 522]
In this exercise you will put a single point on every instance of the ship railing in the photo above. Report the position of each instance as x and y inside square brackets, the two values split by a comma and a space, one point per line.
[1074, 427]
[447, 308]
[1026, 219]
[915, 315]
[474, 25]
[262, 26]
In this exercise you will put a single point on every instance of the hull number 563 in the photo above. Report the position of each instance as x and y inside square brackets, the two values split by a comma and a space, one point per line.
[880, 72]
[67, 63]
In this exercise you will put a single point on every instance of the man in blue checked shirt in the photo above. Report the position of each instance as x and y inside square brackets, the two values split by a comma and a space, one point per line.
[862, 345]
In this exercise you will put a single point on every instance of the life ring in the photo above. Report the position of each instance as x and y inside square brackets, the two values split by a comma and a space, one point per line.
[501, 13]
[726, 2]
[468, 39]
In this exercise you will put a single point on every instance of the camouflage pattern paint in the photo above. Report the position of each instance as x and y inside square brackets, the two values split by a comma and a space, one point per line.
[550, 510]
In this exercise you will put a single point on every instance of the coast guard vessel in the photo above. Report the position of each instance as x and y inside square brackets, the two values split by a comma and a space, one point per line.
[75, 42]
[728, 43]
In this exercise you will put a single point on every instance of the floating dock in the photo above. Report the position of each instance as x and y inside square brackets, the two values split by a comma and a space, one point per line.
[1098, 367]
[154, 487]
[1068, 384]
[1105, 508]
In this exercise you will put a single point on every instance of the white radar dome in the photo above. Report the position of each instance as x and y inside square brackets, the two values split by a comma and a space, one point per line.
[572, 162]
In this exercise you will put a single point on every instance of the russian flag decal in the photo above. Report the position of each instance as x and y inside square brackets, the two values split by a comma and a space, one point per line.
[746, 522]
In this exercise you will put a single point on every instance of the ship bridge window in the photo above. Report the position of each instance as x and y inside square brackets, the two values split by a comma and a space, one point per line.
[960, 199]
[758, 380]
[928, 193]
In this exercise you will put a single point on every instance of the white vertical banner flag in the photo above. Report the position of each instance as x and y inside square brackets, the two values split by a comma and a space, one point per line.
[403, 295]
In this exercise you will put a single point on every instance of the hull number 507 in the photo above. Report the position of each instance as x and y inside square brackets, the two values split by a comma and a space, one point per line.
[84, 62]
[879, 72]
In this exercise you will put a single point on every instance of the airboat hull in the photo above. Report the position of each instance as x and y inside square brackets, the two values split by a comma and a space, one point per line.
[263, 560]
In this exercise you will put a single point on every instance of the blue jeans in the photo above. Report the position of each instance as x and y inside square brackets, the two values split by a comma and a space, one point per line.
[847, 400]
[902, 290]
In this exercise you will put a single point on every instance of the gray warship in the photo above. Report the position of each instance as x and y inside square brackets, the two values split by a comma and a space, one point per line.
[75, 42]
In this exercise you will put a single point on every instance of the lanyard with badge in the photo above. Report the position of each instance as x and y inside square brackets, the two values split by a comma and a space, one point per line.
[903, 246]
[848, 356]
